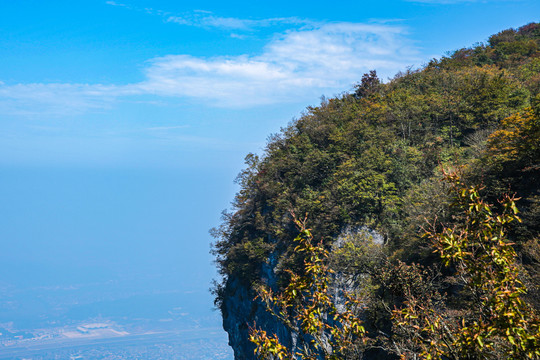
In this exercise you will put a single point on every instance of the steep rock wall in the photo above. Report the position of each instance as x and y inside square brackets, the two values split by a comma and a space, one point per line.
[241, 310]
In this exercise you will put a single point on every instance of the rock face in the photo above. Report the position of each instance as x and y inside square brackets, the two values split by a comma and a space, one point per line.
[241, 311]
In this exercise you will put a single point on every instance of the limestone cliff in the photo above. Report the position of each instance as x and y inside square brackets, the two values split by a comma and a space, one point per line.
[241, 309]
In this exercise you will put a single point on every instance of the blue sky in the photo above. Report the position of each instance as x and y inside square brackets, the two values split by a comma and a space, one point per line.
[132, 83]
[124, 123]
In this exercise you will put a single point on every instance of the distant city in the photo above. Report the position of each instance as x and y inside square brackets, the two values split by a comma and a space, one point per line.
[120, 324]
[112, 341]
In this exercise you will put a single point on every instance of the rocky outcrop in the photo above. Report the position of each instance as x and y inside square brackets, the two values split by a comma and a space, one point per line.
[242, 311]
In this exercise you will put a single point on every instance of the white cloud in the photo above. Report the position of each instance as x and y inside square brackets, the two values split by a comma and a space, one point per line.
[298, 65]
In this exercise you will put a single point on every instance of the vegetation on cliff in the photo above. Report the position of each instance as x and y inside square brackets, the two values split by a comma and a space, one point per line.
[372, 159]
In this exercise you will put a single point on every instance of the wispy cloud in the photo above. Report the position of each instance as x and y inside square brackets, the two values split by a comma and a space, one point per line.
[59, 98]
[166, 128]
[31, 99]
[207, 19]
[297, 65]
[444, 2]
[114, 3]
[451, 2]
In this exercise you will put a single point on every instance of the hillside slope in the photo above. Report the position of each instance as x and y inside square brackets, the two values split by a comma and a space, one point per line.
[372, 160]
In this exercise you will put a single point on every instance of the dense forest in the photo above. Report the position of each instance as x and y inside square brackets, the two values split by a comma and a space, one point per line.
[379, 173]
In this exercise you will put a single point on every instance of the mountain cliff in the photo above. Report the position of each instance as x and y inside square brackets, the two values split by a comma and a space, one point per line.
[371, 159]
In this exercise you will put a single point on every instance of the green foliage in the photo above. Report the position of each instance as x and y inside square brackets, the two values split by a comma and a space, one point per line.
[498, 322]
[508, 49]
[356, 254]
